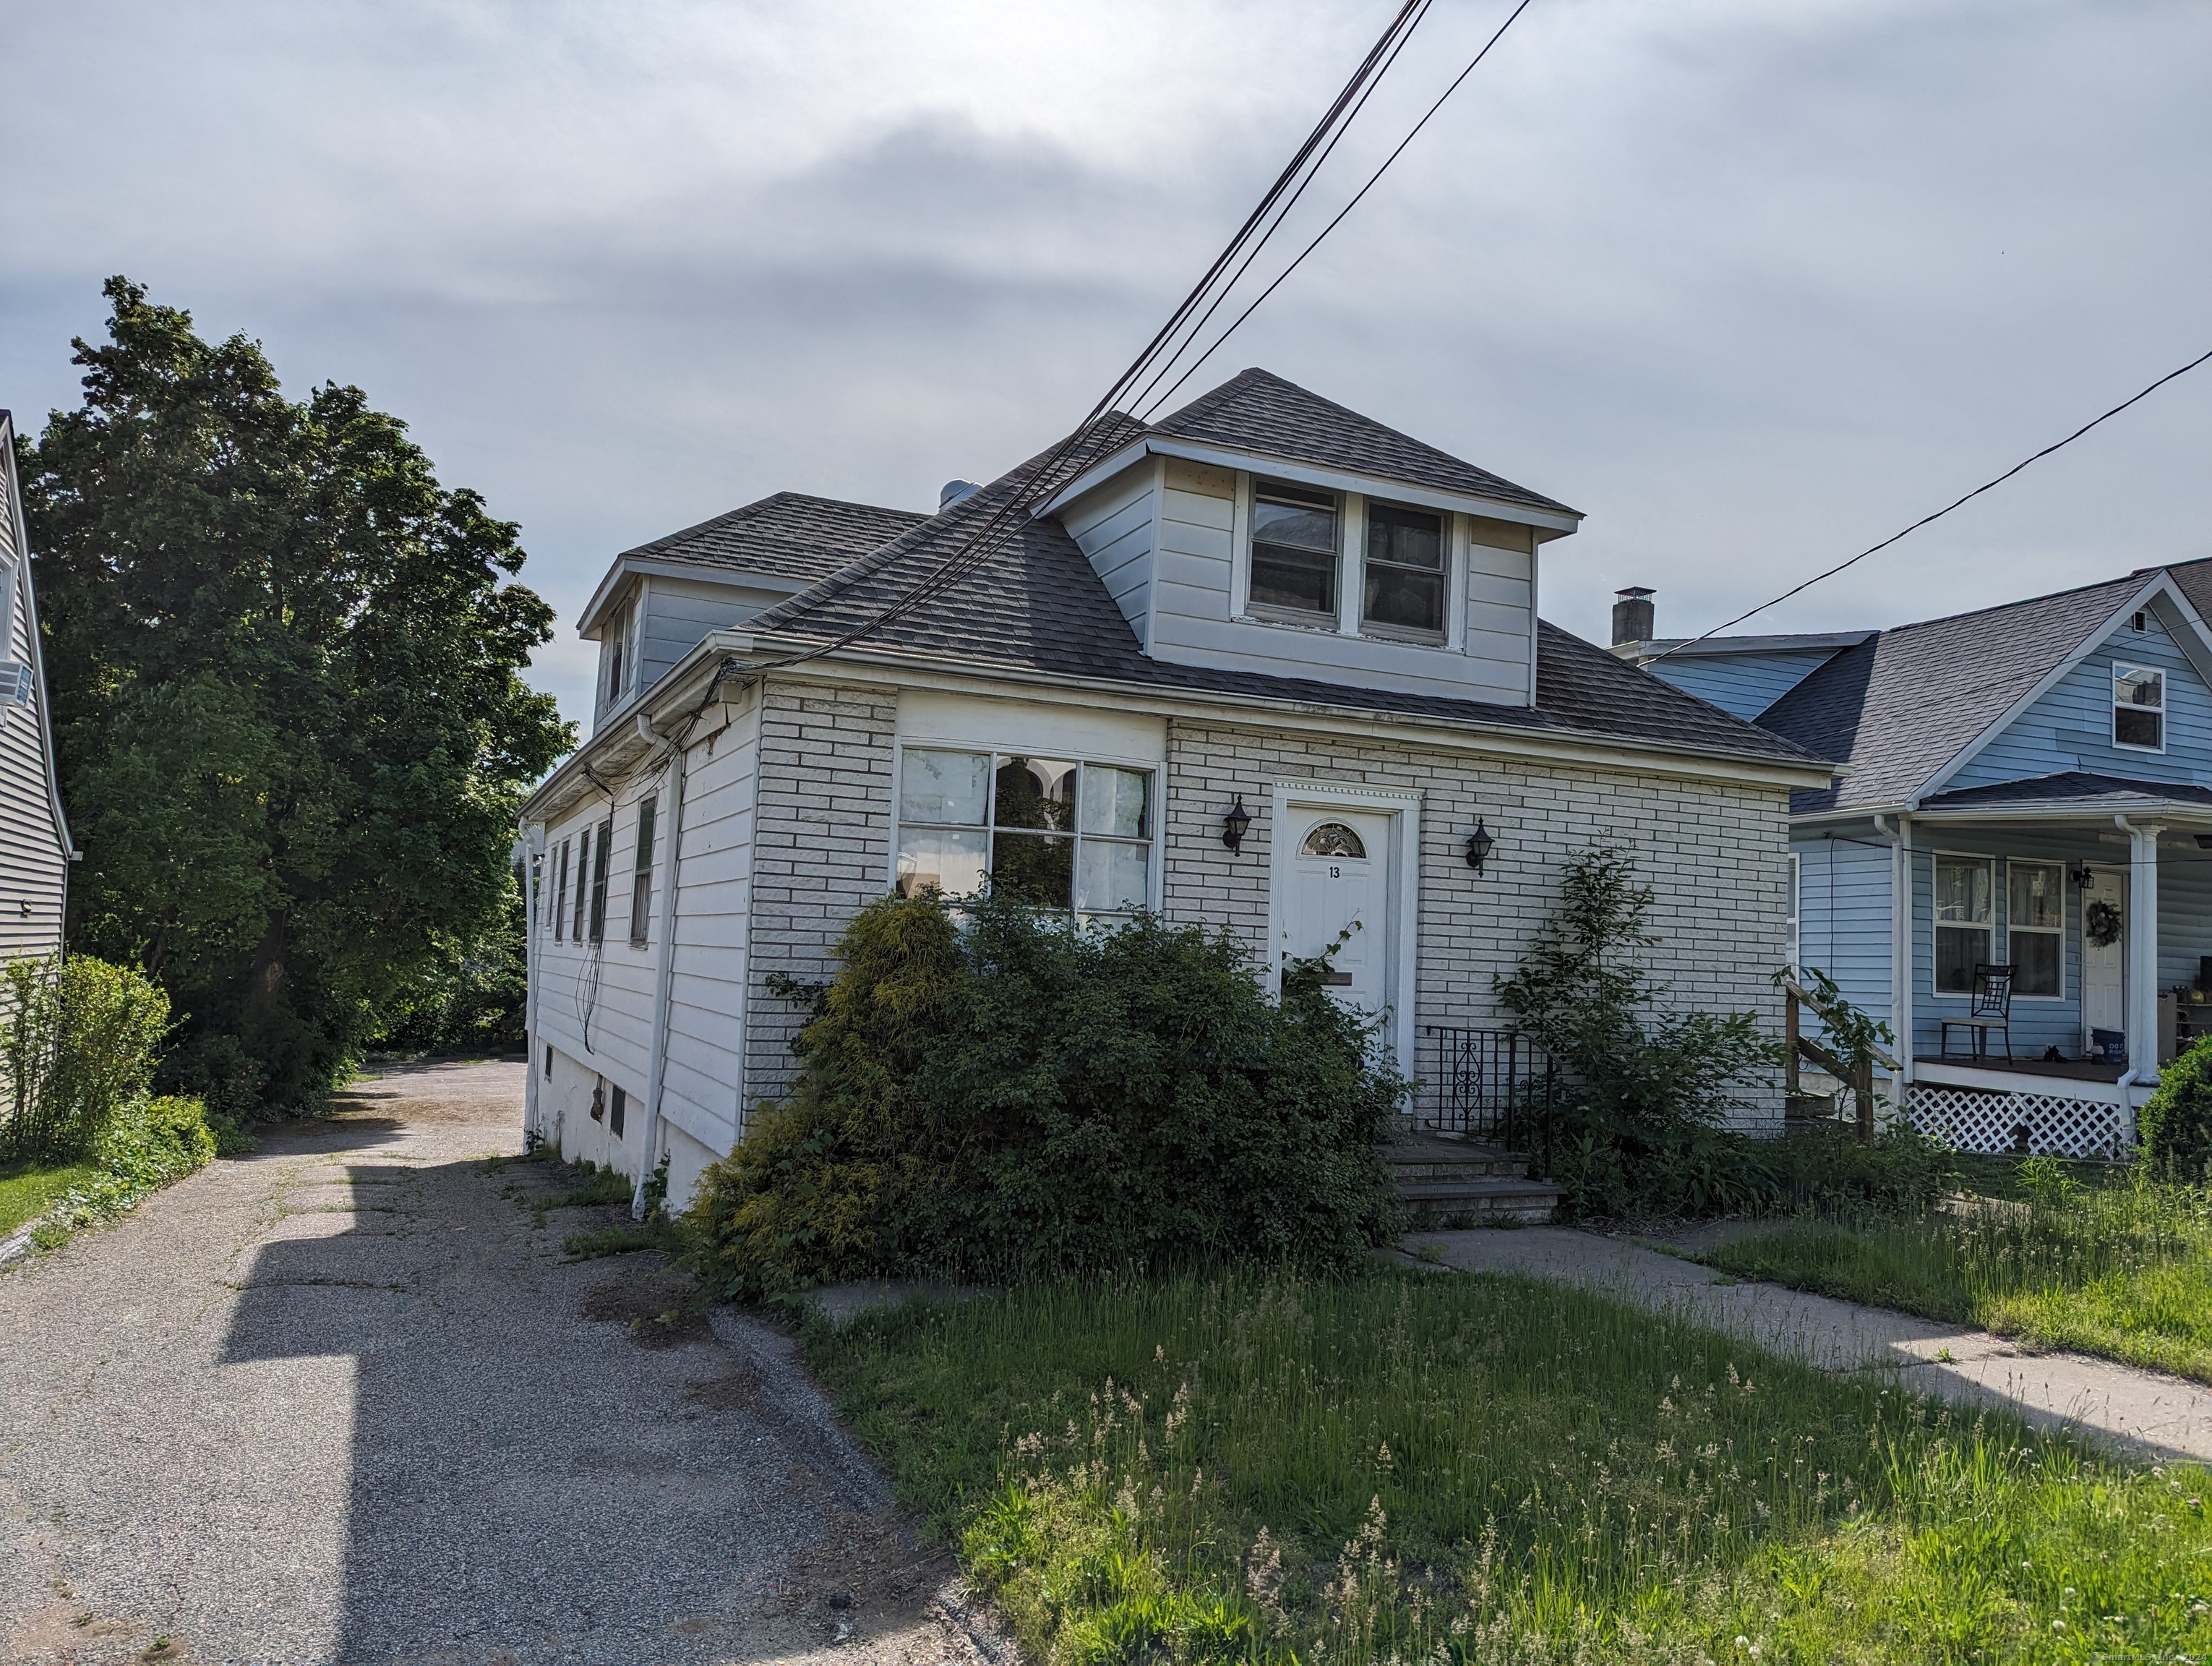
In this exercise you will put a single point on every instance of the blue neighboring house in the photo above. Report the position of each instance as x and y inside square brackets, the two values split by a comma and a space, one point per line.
[2028, 785]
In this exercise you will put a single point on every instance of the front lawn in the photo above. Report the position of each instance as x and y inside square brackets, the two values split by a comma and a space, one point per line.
[1455, 1467]
[2121, 1269]
[27, 1190]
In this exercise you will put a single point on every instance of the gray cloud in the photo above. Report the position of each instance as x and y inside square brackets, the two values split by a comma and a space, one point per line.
[1752, 285]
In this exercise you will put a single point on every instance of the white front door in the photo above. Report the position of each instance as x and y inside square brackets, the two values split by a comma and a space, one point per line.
[2104, 966]
[1338, 888]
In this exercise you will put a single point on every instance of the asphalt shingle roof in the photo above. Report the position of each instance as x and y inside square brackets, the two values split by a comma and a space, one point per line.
[1038, 605]
[1904, 702]
[2069, 786]
[1254, 410]
[791, 535]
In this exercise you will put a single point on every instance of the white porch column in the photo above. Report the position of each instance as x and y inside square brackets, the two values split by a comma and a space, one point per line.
[2142, 949]
[1902, 947]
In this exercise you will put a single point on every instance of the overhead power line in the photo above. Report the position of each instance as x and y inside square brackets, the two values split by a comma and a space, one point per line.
[1987, 485]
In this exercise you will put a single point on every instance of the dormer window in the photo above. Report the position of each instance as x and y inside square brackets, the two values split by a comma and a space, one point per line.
[620, 671]
[1405, 552]
[2139, 708]
[1295, 552]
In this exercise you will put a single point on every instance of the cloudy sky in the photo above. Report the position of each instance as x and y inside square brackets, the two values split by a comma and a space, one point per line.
[1752, 284]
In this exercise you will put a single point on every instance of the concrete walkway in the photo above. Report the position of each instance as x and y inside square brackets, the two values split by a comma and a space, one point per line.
[342, 1401]
[2140, 1414]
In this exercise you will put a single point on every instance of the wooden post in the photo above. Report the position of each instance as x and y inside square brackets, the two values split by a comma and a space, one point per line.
[1790, 1078]
[1862, 1085]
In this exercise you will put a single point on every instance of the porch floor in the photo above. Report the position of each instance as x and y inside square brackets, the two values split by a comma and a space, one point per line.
[2071, 1070]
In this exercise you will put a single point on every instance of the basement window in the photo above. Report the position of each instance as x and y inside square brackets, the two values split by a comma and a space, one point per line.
[1405, 576]
[617, 1103]
[1058, 833]
[2139, 708]
[1294, 553]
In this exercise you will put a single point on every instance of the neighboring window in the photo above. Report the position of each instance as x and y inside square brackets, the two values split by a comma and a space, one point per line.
[1333, 839]
[617, 1103]
[1963, 891]
[1294, 553]
[1405, 552]
[640, 877]
[1058, 833]
[561, 892]
[602, 846]
[2035, 925]
[2139, 708]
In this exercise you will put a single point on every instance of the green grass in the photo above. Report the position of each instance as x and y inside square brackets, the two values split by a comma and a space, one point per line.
[2121, 1269]
[27, 1190]
[1448, 1468]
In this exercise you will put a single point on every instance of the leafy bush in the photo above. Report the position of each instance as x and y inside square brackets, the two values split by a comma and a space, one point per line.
[148, 1144]
[77, 1039]
[2175, 1123]
[1002, 1097]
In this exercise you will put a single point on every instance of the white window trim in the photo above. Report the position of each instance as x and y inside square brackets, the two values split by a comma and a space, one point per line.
[1350, 565]
[1934, 925]
[1404, 809]
[1352, 572]
[2164, 677]
[1455, 606]
[2058, 931]
[1796, 916]
[1155, 865]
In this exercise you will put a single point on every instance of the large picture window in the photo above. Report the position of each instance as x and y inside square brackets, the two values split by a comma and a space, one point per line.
[1965, 890]
[1056, 832]
[1294, 553]
[1406, 571]
[2139, 708]
[2035, 926]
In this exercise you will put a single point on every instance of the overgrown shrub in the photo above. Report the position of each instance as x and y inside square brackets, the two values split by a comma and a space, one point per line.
[1002, 1097]
[2175, 1123]
[148, 1144]
[77, 1038]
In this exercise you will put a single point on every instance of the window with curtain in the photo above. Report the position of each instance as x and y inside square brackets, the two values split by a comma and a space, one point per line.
[1059, 833]
[1965, 893]
[2035, 927]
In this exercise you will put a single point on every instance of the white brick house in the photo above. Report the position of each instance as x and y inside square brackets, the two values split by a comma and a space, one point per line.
[1265, 603]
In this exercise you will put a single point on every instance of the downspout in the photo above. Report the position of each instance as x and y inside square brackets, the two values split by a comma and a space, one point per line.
[663, 968]
[526, 848]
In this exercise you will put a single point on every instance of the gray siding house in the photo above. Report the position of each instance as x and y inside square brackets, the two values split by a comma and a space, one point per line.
[1265, 606]
[2029, 790]
[35, 851]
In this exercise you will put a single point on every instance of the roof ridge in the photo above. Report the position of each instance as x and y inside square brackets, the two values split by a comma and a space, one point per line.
[753, 508]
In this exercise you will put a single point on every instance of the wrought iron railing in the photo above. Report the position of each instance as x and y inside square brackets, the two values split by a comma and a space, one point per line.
[1494, 1086]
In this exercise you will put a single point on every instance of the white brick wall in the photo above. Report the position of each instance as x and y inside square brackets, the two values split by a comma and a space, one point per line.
[821, 852]
[1716, 854]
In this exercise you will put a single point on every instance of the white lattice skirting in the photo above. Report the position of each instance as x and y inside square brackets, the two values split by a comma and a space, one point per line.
[1966, 1120]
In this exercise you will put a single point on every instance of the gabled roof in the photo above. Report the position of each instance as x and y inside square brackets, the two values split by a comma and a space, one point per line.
[1257, 411]
[1903, 704]
[790, 535]
[1036, 604]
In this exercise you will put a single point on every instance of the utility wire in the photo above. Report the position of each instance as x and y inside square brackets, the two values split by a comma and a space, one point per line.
[1372, 180]
[1924, 519]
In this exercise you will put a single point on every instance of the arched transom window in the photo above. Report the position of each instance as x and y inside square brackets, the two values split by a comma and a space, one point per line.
[1333, 839]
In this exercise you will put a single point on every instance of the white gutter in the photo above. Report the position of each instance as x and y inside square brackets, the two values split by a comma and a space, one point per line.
[663, 968]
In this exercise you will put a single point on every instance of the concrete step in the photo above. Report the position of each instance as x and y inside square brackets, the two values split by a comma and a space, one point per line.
[1431, 1157]
[1442, 1203]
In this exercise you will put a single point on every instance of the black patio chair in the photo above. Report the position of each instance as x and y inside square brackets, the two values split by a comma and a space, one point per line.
[1990, 1009]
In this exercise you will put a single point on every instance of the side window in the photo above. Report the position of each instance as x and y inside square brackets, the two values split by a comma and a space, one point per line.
[617, 1103]
[1965, 898]
[2139, 708]
[640, 879]
[2035, 927]
[602, 847]
[561, 892]
[1295, 553]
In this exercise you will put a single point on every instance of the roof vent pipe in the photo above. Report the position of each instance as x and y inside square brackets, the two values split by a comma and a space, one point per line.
[953, 491]
[1633, 619]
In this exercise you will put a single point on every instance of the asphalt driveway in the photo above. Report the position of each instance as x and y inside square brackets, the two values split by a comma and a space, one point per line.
[345, 1400]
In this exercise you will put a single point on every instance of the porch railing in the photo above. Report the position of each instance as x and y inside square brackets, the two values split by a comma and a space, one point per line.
[1494, 1086]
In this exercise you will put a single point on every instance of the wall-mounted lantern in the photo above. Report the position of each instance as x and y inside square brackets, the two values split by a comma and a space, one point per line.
[1234, 823]
[2082, 877]
[1478, 844]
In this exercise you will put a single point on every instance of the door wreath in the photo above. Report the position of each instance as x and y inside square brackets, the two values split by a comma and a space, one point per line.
[2102, 925]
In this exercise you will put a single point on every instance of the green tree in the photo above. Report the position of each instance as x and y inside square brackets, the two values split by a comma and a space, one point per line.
[285, 668]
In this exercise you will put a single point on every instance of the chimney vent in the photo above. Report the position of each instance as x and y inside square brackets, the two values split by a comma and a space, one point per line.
[1632, 615]
[953, 491]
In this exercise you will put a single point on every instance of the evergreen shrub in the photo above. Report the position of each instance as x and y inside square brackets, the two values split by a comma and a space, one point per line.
[2175, 1123]
[994, 1095]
